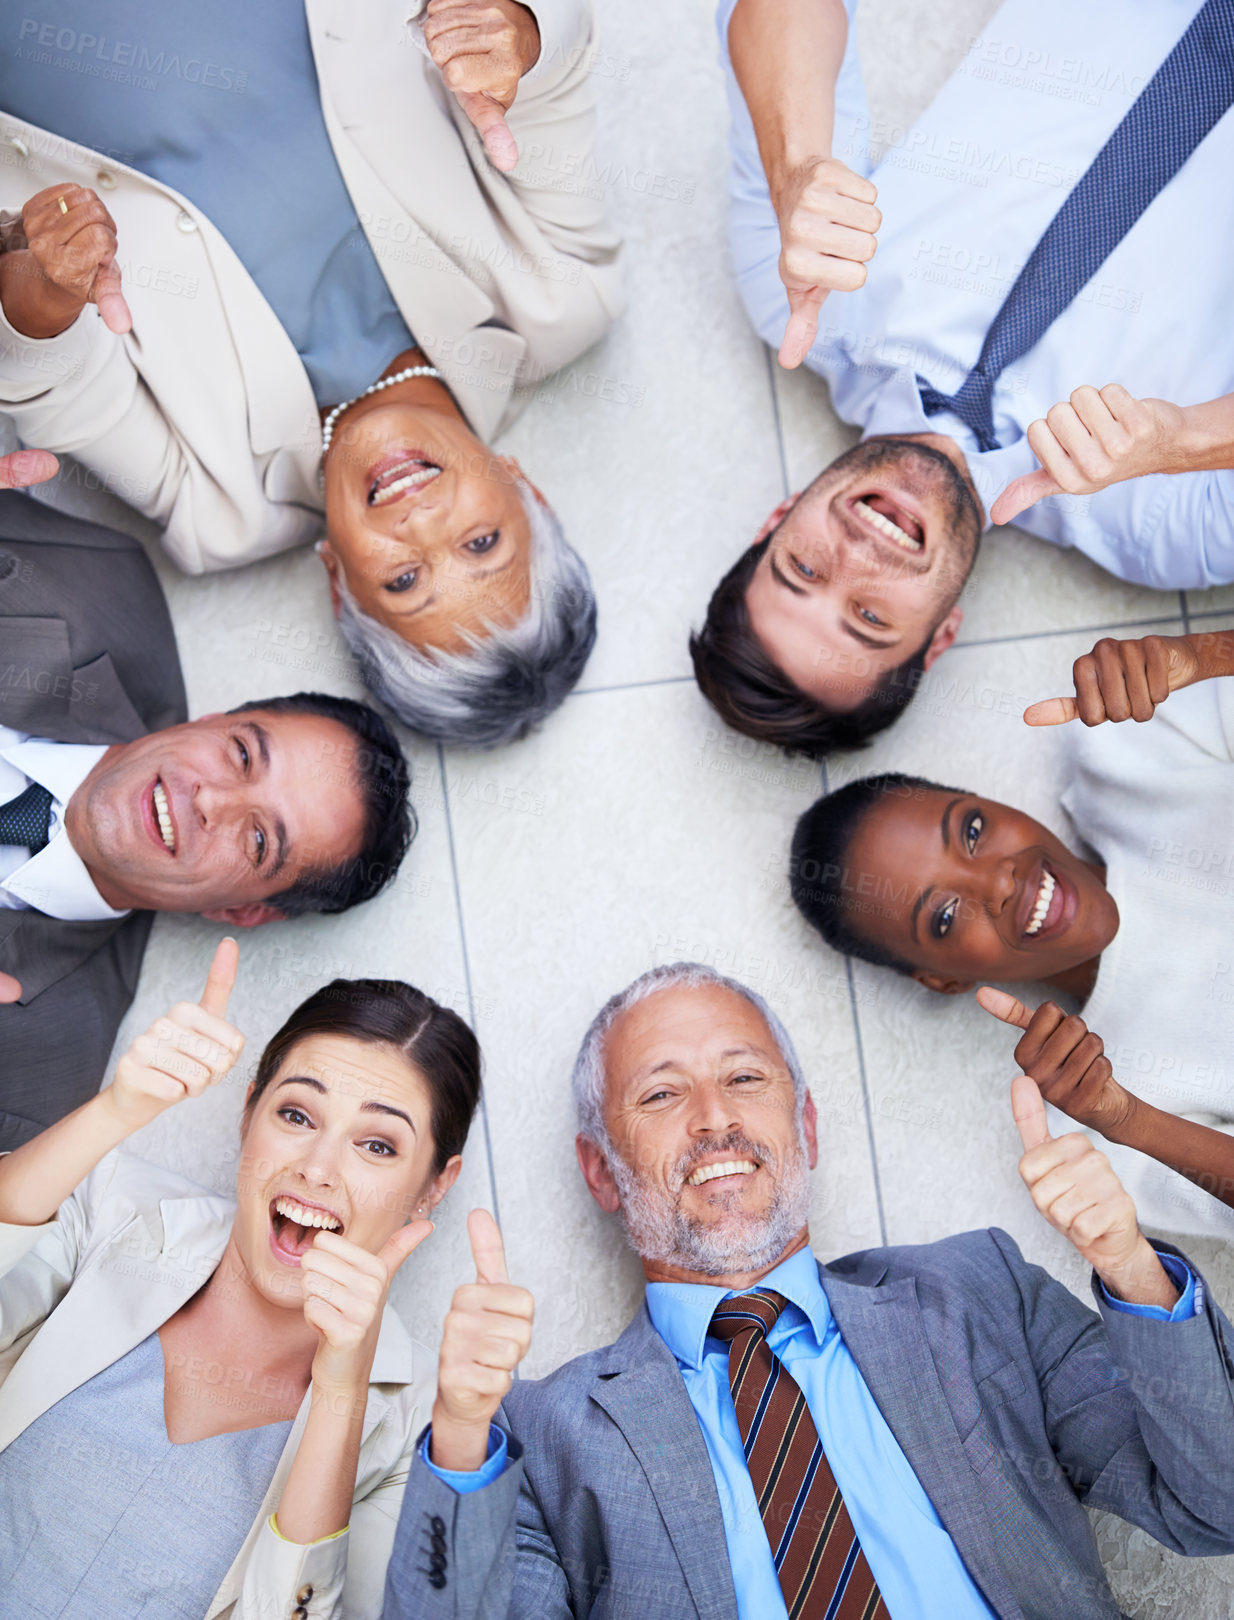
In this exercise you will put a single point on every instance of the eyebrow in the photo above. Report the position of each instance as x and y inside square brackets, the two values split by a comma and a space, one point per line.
[484, 573]
[672, 1063]
[866, 641]
[281, 851]
[370, 1107]
[777, 573]
[945, 823]
[921, 900]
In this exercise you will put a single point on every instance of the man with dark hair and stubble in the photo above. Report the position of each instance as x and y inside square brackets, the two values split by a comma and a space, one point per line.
[1022, 257]
[114, 805]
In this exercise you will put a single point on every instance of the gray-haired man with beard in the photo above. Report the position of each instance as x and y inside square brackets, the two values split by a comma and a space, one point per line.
[909, 1431]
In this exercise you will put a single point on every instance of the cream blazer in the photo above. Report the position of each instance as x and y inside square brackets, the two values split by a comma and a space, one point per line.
[203, 416]
[126, 1250]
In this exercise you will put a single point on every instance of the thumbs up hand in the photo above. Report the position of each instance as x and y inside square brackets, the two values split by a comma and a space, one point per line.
[1066, 1059]
[487, 1333]
[483, 48]
[181, 1054]
[1075, 1188]
[1126, 680]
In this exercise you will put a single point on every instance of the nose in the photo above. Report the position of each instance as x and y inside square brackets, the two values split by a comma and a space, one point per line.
[1003, 884]
[713, 1111]
[319, 1164]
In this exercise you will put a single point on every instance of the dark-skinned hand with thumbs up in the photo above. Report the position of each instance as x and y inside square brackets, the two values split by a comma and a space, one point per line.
[1067, 1064]
[487, 1333]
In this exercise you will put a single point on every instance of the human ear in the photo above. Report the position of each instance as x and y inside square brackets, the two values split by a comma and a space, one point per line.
[249, 915]
[809, 1124]
[777, 517]
[597, 1175]
[325, 551]
[440, 1185]
[943, 985]
[943, 637]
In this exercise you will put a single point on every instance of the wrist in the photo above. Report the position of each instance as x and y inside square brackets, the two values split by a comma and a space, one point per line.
[1140, 1280]
[33, 305]
[1203, 436]
[1214, 653]
[789, 167]
[119, 1116]
[459, 1448]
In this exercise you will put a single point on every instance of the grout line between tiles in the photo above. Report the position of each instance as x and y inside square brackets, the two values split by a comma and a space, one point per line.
[633, 686]
[462, 935]
[1072, 630]
[1185, 611]
[775, 413]
[861, 1074]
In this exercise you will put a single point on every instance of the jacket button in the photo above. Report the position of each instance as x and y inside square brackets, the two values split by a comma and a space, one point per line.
[437, 1581]
[304, 1595]
[437, 1524]
[19, 146]
[185, 222]
[299, 1613]
[106, 179]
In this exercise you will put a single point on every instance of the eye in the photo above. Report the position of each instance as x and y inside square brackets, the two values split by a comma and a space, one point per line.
[803, 569]
[245, 757]
[379, 1148]
[404, 582]
[259, 846]
[944, 918]
[870, 618]
[483, 544]
[739, 1078]
[656, 1096]
[294, 1115]
[974, 826]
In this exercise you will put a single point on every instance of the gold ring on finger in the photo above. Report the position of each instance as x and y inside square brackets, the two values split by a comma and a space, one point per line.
[64, 207]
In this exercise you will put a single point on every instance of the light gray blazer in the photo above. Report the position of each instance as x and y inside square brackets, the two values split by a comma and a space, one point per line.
[1014, 1403]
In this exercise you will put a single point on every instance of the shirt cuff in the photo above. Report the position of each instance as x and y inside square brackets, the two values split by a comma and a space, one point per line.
[1190, 1299]
[333, 1536]
[490, 1469]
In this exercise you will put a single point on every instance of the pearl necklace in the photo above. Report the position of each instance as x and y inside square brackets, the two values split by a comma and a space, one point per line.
[327, 427]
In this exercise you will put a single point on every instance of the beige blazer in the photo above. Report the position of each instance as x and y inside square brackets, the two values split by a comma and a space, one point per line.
[126, 1250]
[203, 417]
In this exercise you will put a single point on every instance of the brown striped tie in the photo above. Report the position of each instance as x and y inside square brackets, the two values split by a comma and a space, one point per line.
[822, 1570]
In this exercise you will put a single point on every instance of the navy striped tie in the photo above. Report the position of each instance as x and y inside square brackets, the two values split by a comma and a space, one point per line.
[25, 819]
[821, 1568]
[1186, 96]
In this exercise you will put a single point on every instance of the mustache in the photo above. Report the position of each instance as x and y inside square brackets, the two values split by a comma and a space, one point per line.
[735, 1144]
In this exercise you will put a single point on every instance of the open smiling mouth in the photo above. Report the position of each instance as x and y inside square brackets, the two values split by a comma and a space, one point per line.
[404, 476]
[891, 520]
[162, 815]
[715, 1172]
[1048, 905]
[294, 1225]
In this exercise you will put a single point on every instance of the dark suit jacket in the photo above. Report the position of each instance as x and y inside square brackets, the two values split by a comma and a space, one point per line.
[1015, 1405]
[87, 655]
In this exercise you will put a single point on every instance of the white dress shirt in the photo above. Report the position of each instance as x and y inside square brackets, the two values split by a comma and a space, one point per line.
[966, 195]
[55, 881]
[1156, 802]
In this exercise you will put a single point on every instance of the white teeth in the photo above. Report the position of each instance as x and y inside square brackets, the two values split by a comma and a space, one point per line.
[1044, 895]
[884, 525]
[405, 481]
[303, 1216]
[166, 830]
[730, 1167]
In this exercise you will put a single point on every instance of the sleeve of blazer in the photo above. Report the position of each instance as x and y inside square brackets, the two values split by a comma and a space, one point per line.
[81, 393]
[497, 1559]
[1140, 1412]
[553, 119]
[38, 1263]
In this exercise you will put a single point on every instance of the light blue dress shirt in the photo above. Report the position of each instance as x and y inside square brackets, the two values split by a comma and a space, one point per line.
[966, 194]
[914, 1560]
[219, 100]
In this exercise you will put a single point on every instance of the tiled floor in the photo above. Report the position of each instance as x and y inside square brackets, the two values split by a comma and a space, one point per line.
[633, 829]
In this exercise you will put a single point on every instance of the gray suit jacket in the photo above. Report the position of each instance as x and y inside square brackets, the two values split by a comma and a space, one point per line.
[87, 655]
[1014, 1403]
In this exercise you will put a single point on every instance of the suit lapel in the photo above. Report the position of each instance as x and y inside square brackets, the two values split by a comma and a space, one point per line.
[883, 1328]
[645, 1397]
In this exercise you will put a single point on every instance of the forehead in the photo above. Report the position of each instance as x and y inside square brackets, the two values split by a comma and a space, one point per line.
[354, 1072]
[683, 1026]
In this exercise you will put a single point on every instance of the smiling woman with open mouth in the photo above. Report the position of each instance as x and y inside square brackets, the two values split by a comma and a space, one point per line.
[162, 1346]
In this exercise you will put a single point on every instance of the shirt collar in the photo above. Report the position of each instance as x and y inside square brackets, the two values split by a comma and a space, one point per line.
[56, 881]
[681, 1312]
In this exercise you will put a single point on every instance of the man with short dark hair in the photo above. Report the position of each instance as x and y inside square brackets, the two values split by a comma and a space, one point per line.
[1023, 257]
[113, 805]
[912, 1431]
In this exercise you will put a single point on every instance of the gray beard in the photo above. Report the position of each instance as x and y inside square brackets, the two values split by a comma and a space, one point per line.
[659, 1229]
